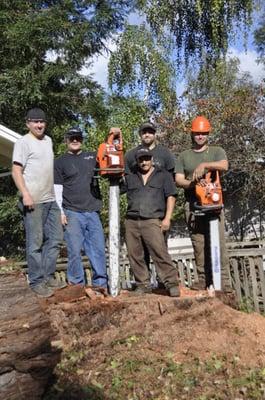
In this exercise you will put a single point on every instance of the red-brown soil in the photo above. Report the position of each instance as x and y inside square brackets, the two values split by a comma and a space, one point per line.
[155, 347]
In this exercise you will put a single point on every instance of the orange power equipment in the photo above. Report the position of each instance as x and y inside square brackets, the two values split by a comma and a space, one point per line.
[110, 155]
[210, 202]
[209, 196]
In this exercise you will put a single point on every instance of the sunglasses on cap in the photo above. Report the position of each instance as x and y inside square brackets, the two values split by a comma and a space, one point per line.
[75, 138]
[144, 158]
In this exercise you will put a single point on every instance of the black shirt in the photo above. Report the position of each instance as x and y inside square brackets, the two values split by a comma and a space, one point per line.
[149, 200]
[162, 158]
[76, 173]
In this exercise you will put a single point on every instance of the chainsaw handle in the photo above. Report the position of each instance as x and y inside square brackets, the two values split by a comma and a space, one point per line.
[208, 208]
[113, 135]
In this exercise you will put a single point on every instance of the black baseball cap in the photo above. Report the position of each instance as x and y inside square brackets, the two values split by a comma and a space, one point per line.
[147, 125]
[36, 114]
[74, 132]
[143, 152]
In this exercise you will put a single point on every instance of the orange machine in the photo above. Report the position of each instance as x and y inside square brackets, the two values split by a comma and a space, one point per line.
[209, 193]
[110, 155]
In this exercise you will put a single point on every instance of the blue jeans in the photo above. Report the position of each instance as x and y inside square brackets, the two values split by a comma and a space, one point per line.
[43, 237]
[84, 231]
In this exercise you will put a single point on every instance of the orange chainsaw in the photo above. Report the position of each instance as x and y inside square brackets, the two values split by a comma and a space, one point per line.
[210, 203]
[209, 194]
[110, 155]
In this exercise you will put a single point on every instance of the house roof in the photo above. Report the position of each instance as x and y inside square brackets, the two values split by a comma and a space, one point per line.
[7, 140]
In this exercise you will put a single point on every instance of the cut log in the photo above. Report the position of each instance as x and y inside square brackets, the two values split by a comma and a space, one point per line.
[27, 359]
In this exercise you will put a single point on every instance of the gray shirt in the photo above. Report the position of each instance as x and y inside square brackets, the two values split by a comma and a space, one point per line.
[36, 157]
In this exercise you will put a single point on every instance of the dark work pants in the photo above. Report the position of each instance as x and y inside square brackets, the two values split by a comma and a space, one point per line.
[149, 232]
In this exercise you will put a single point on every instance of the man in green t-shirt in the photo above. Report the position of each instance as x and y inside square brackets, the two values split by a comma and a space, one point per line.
[191, 167]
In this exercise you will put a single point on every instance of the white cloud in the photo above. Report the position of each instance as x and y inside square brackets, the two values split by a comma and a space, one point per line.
[99, 68]
[248, 63]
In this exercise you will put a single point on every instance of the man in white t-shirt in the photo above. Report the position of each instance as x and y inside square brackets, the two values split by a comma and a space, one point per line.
[32, 172]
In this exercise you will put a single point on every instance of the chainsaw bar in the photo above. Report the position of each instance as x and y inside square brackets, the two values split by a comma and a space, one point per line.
[215, 252]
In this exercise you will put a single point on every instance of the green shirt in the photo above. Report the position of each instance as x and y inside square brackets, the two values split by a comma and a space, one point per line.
[188, 160]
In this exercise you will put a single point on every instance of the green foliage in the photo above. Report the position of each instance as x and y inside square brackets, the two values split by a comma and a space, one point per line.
[198, 27]
[173, 34]
[43, 47]
[259, 38]
[158, 378]
[12, 239]
[140, 63]
[246, 305]
[44, 44]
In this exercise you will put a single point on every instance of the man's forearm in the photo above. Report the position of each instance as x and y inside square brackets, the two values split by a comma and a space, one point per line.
[184, 183]
[171, 201]
[19, 180]
[20, 184]
[216, 165]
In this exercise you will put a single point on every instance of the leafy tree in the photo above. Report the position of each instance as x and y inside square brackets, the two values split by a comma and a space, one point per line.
[140, 64]
[259, 38]
[44, 44]
[198, 27]
[148, 56]
[12, 239]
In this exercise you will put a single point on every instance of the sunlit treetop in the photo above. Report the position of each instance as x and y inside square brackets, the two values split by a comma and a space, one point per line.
[197, 26]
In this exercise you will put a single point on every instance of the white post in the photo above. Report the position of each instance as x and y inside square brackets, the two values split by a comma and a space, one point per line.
[114, 237]
[215, 252]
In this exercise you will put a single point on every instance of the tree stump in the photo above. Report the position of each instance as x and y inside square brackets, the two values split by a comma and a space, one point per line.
[27, 359]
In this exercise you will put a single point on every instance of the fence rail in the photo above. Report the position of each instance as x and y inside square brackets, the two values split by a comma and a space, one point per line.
[247, 265]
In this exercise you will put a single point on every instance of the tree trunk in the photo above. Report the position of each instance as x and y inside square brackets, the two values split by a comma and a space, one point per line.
[27, 359]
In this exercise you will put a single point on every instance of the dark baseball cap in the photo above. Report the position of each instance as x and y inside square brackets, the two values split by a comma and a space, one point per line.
[143, 152]
[74, 132]
[36, 114]
[147, 126]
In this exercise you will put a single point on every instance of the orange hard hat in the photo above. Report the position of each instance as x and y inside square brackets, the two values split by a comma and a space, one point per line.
[200, 124]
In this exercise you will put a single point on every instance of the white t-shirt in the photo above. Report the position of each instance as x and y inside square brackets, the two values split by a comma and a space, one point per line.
[36, 157]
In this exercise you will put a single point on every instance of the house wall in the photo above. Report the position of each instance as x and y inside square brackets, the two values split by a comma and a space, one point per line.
[7, 141]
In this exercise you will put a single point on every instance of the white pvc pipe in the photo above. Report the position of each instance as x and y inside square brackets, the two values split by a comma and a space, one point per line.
[215, 253]
[114, 238]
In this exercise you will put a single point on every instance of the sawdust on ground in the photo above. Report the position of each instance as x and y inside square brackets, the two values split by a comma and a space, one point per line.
[105, 335]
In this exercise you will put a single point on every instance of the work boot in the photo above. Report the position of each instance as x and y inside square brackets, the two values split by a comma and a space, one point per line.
[198, 286]
[160, 285]
[141, 289]
[42, 290]
[174, 291]
[54, 283]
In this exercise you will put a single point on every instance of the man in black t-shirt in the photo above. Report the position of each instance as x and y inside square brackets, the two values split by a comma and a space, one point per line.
[162, 157]
[79, 204]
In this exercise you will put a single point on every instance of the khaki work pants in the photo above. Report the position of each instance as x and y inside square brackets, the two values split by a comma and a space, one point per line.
[200, 237]
[148, 231]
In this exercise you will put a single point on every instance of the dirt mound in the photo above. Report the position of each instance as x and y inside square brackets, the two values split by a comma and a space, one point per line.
[131, 347]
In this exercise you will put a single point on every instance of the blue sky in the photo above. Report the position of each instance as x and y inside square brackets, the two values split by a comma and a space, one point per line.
[247, 58]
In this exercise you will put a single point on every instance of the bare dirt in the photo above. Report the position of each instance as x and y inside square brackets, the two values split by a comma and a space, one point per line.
[155, 347]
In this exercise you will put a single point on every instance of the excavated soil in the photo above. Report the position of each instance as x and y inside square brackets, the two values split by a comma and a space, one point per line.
[155, 347]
